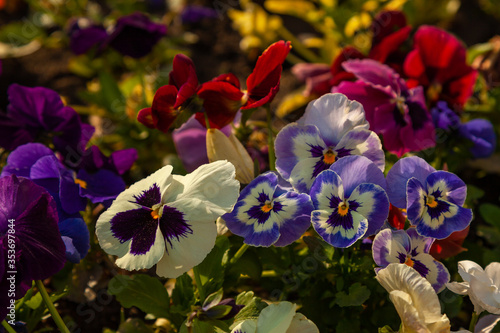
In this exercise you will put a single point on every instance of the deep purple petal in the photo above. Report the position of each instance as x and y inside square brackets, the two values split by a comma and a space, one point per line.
[419, 244]
[371, 202]
[173, 224]
[13, 134]
[339, 230]
[23, 158]
[122, 160]
[442, 221]
[76, 230]
[355, 170]
[482, 135]
[190, 144]
[375, 73]
[101, 185]
[399, 174]
[416, 196]
[327, 191]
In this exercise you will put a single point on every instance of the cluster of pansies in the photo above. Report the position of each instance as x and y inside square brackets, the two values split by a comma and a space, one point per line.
[348, 188]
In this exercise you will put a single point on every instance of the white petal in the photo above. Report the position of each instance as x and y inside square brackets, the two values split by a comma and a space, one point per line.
[461, 288]
[140, 261]
[188, 251]
[407, 312]
[213, 185]
[334, 115]
[466, 268]
[276, 318]
[300, 324]
[493, 272]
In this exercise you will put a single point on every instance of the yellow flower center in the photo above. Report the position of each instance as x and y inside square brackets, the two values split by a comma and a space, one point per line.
[82, 183]
[329, 157]
[431, 201]
[155, 213]
[267, 207]
[409, 261]
[434, 91]
[343, 209]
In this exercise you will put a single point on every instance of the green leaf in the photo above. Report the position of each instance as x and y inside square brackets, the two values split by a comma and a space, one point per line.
[212, 267]
[142, 291]
[320, 249]
[491, 214]
[113, 99]
[252, 309]
[183, 294]
[358, 294]
[249, 264]
[36, 301]
[473, 193]
[213, 299]
[198, 326]
[218, 311]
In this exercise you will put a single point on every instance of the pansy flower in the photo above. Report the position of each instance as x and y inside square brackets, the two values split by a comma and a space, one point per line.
[331, 128]
[84, 35]
[38, 163]
[438, 63]
[433, 199]
[168, 220]
[169, 99]
[349, 201]
[409, 248]
[28, 216]
[393, 110]
[267, 214]
[222, 97]
[135, 35]
[37, 114]
[450, 246]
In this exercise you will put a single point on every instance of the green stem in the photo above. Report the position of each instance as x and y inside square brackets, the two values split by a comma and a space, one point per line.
[207, 121]
[197, 278]
[270, 139]
[299, 46]
[239, 253]
[52, 309]
[7, 327]
[473, 321]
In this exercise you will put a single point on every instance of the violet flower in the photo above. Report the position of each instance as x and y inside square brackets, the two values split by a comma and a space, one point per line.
[84, 35]
[37, 112]
[194, 14]
[135, 35]
[392, 109]
[28, 219]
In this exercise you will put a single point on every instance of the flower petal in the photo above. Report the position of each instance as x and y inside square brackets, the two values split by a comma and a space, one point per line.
[276, 318]
[370, 201]
[300, 324]
[334, 115]
[337, 230]
[448, 185]
[327, 190]
[364, 143]
[390, 247]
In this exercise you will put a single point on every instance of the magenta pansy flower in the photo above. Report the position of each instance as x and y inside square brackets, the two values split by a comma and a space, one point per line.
[393, 110]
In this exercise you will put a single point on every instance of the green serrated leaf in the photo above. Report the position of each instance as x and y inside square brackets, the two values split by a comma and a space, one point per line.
[491, 214]
[142, 291]
[245, 298]
[358, 294]
[252, 308]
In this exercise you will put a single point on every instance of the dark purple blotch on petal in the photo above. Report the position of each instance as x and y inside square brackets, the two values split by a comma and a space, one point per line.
[173, 225]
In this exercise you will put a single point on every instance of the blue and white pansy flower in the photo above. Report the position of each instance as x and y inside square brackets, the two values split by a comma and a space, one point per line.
[268, 214]
[277, 318]
[349, 201]
[168, 220]
[332, 127]
[408, 247]
[433, 199]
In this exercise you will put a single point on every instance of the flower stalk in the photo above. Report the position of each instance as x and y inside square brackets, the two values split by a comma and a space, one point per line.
[52, 309]
[7, 327]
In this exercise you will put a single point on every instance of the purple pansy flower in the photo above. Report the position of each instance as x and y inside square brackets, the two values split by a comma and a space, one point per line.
[33, 112]
[84, 35]
[433, 199]
[408, 247]
[483, 137]
[194, 14]
[331, 128]
[38, 163]
[135, 35]
[349, 201]
[267, 214]
[168, 220]
[445, 118]
[28, 221]
[397, 113]
[119, 161]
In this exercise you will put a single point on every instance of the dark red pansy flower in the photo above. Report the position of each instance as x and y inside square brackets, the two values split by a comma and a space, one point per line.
[169, 99]
[390, 31]
[339, 74]
[222, 97]
[438, 63]
[450, 246]
[396, 218]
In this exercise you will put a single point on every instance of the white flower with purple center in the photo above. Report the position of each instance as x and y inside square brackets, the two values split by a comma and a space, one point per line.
[268, 214]
[408, 247]
[332, 127]
[168, 220]
[433, 199]
[349, 201]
